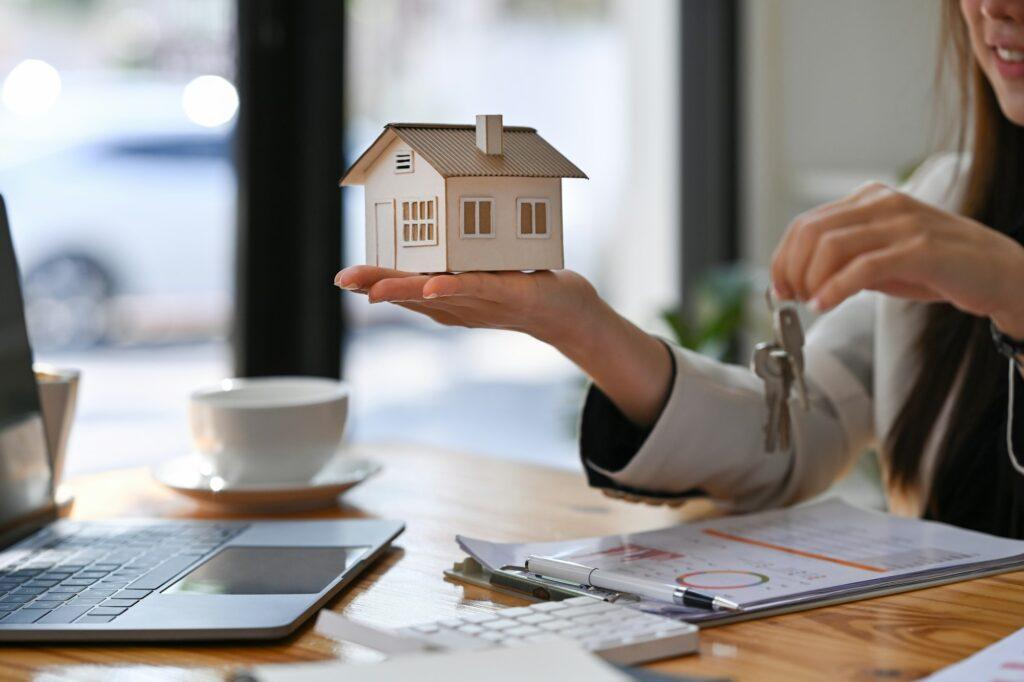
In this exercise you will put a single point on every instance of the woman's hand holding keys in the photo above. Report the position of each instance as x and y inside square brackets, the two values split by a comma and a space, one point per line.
[880, 239]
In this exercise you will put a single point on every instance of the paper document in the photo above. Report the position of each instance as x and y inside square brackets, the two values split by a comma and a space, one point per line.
[561, 661]
[779, 557]
[1001, 662]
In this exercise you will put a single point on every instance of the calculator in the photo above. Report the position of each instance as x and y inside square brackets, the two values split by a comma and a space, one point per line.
[616, 633]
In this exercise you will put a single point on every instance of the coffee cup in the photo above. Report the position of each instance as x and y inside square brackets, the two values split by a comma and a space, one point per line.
[58, 395]
[268, 430]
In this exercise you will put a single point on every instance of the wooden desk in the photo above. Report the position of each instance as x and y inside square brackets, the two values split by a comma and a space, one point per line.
[439, 494]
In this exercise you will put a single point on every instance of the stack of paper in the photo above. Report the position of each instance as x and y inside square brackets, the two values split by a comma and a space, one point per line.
[782, 560]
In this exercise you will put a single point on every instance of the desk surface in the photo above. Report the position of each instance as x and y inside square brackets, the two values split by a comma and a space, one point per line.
[440, 493]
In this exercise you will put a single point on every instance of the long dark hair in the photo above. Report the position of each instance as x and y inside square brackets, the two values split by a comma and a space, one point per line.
[973, 484]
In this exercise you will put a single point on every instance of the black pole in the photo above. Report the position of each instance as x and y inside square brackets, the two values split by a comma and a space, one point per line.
[287, 312]
[710, 138]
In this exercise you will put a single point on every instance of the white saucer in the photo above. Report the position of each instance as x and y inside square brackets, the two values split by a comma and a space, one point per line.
[192, 477]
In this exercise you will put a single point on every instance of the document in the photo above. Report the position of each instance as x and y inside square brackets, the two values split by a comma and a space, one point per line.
[1001, 662]
[782, 557]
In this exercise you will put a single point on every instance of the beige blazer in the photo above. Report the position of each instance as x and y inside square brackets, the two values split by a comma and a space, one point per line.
[860, 363]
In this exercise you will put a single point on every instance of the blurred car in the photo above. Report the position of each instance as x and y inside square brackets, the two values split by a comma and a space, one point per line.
[124, 229]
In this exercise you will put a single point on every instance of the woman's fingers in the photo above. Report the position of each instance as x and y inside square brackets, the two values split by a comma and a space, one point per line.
[362, 277]
[808, 233]
[837, 247]
[435, 313]
[487, 286]
[870, 203]
[873, 270]
[395, 289]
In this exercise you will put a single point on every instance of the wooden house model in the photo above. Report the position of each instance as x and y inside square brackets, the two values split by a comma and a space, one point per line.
[455, 198]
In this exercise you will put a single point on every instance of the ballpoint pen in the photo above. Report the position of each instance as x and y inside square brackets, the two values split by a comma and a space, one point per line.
[621, 582]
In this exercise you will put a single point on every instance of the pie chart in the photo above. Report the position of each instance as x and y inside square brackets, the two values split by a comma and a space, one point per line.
[721, 580]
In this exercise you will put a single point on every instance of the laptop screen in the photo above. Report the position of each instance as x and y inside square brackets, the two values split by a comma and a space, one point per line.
[25, 479]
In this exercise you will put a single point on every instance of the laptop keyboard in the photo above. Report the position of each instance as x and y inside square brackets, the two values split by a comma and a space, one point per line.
[95, 572]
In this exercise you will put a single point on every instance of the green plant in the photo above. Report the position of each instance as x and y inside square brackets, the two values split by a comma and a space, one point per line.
[709, 325]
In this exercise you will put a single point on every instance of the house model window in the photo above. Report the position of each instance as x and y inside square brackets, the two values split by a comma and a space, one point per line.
[532, 218]
[403, 162]
[419, 222]
[477, 215]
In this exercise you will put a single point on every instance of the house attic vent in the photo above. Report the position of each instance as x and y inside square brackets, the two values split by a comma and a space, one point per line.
[403, 162]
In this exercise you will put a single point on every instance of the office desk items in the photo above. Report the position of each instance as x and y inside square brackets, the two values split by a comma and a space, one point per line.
[613, 632]
[66, 580]
[903, 636]
[268, 430]
[776, 561]
[552, 660]
[1000, 662]
[671, 593]
[190, 476]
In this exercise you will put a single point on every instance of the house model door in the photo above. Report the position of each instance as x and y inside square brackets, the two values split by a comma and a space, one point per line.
[384, 221]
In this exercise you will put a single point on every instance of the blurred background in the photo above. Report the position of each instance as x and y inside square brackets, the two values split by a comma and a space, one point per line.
[156, 154]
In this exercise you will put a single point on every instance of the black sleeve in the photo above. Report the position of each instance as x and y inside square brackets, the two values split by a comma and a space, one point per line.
[609, 440]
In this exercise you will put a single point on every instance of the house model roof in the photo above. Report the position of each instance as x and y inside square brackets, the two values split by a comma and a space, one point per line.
[452, 151]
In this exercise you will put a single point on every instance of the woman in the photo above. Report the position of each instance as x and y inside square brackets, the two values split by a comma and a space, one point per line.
[910, 282]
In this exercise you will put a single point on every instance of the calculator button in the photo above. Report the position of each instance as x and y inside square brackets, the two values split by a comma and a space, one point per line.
[491, 636]
[535, 618]
[471, 629]
[501, 624]
[550, 606]
[450, 622]
[555, 625]
[515, 612]
[584, 610]
[543, 638]
[480, 617]
[523, 631]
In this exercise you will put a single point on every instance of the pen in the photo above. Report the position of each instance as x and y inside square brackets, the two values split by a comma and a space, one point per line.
[620, 582]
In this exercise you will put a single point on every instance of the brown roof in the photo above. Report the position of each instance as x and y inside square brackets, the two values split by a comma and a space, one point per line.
[452, 151]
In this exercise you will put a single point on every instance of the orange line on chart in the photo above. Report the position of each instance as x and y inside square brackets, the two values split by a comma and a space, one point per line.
[790, 550]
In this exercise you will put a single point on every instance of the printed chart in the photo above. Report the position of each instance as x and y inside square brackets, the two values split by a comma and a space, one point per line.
[721, 580]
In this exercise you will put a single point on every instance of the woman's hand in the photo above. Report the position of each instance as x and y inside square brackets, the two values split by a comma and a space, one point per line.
[883, 240]
[559, 307]
[556, 307]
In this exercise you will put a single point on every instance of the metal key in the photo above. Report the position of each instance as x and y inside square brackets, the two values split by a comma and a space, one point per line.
[768, 367]
[782, 416]
[789, 334]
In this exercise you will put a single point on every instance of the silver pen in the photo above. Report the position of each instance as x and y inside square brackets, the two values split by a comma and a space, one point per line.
[621, 582]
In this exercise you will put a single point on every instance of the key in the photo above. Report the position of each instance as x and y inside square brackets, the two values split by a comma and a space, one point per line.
[764, 365]
[782, 416]
[790, 336]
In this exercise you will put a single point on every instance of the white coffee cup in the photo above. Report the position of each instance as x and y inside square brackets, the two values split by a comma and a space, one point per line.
[268, 430]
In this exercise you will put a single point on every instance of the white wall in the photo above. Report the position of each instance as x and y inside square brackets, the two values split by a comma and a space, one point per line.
[835, 93]
[505, 250]
[383, 185]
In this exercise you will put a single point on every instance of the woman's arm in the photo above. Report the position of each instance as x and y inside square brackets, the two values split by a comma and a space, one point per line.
[561, 308]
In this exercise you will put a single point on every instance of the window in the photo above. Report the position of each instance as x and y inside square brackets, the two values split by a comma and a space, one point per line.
[477, 219]
[419, 222]
[403, 162]
[533, 218]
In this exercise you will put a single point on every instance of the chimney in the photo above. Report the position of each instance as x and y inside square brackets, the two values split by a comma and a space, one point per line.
[488, 133]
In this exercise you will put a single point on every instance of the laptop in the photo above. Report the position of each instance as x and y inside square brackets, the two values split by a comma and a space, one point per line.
[144, 579]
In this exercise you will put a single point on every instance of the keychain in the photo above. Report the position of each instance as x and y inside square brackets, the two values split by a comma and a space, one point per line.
[780, 364]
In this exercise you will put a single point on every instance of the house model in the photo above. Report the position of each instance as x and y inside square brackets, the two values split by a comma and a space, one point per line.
[454, 198]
